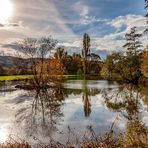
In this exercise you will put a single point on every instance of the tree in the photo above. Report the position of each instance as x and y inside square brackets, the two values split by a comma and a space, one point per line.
[2, 71]
[60, 56]
[133, 44]
[37, 51]
[77, 62]
[112, 64]
[144, 65]
[133, 56]
[21, 66]
[94, 57]
[85, 52]
[56, 67]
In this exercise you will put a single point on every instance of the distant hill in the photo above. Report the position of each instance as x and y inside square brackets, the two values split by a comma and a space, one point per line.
[10, 62]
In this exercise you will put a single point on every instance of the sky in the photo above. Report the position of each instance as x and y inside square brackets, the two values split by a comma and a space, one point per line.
[106, 21]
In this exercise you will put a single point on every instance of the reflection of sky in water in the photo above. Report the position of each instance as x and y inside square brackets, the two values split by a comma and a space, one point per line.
[100, 117]
[79, 84]
[3, 134]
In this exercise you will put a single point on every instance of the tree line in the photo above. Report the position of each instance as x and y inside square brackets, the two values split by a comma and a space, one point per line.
[129, 66]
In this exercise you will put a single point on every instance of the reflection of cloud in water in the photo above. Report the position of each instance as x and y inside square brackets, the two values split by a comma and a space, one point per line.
[100, 118]
[3, 135]
[84, 105]
[79, 84]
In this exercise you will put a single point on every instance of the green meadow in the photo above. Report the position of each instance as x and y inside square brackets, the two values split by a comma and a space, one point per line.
[14, 77]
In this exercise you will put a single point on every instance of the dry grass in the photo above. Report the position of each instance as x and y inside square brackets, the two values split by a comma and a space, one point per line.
[136, 136]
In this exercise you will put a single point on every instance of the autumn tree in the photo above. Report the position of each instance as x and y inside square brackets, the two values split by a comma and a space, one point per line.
[59, 56]
[144, 65]
[37, 51]
[85, 52]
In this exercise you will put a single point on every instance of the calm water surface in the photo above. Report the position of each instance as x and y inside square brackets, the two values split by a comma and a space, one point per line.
[67, 111]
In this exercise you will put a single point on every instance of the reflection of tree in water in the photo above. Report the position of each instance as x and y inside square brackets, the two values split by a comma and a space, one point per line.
[86, 93]
[86, 96]
[127, 101]
[86, 99]
[45, 114]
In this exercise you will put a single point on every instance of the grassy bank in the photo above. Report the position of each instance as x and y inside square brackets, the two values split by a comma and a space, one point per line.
[14, 77]
[21, 77]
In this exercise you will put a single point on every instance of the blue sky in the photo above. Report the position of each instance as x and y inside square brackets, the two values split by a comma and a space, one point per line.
[106, 21]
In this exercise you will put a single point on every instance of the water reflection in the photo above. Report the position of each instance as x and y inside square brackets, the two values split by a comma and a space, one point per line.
[128, 101]
[3, 135]
[86, 92]
[45, 114]
[86, 97]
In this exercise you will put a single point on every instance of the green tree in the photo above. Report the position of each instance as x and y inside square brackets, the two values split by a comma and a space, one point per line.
[133, 45]
[133, 56]
[85, 52]
[94, 63]
[113, 65]
[60, 54]
[77, 62]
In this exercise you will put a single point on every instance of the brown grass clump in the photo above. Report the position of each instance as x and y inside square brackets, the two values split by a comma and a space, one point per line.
[15, 145]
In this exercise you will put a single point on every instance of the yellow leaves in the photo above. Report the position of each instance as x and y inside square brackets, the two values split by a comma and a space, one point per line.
[51, 67]
[144, 66]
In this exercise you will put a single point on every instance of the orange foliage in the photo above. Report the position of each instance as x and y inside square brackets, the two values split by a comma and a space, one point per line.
[55, 67]
[51, 67]
[144, 66]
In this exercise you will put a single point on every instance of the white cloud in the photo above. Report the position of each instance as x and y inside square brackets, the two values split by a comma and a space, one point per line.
[128, 22]
[43, 18]
[73, 44]
[36, 18]
[115, 41]
[81, 8]
[83, 11]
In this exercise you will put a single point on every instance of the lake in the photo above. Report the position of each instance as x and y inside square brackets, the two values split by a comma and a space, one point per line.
[70, 111]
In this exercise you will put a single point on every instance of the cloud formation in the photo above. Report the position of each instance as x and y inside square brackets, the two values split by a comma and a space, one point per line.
[67, 21]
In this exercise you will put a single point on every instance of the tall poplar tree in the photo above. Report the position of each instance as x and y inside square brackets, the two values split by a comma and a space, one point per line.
[85, 52]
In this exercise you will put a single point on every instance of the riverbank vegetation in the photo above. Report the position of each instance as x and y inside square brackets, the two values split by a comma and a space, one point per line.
[47, 63]
[44, 58]
[136, 136]
[129, 66]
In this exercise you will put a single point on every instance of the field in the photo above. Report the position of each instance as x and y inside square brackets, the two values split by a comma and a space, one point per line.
[14, 77]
